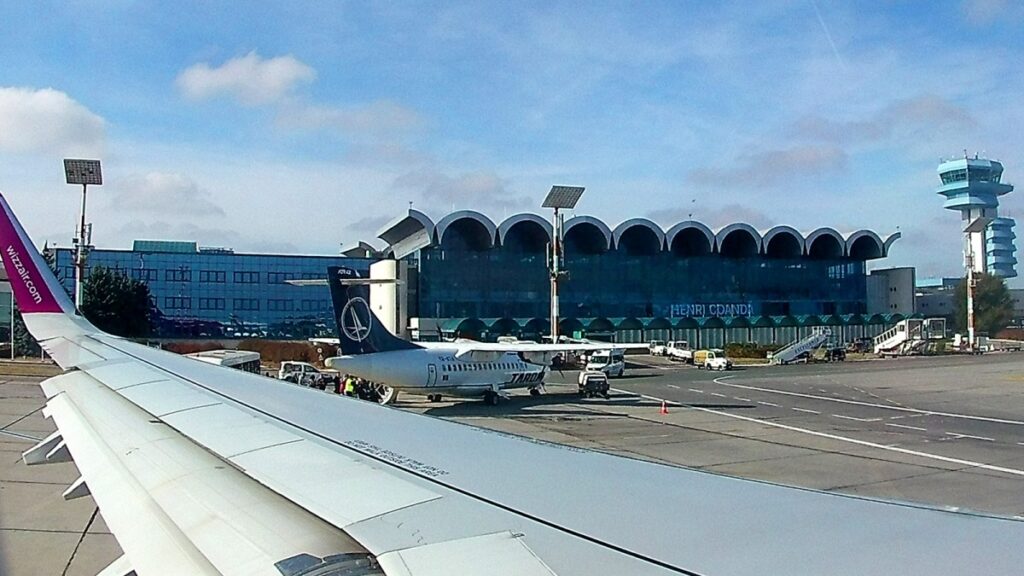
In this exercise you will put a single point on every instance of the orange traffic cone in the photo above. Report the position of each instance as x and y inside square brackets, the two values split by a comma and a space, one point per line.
[664, 407]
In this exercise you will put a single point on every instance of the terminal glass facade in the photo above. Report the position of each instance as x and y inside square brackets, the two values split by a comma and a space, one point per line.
[216, 293]
[497, 283]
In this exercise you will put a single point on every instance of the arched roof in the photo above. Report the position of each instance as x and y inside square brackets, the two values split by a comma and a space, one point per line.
[675, 230]
[642, 223]
[738, 227]
[825, 231]
[853, 238]
[454, 217]
[600, 225]
[873, 238]
[406, 234]
[776, 230]
[891, 240]
[514, 219]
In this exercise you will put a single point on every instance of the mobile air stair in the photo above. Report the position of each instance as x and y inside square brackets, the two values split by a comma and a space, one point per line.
[909, 336]
[794, 350]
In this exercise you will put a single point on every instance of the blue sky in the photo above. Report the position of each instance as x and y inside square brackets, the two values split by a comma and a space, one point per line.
[294, 127]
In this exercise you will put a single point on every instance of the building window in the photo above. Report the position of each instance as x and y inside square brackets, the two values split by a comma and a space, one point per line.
[279, 277]
[214, 276]
[211, 303]
[246, 304]
[177, 303]
[280, 305]
[145, 274]
[247, 277]
[178, 275]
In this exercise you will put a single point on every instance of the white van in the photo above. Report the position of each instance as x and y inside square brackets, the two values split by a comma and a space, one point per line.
[611, 362]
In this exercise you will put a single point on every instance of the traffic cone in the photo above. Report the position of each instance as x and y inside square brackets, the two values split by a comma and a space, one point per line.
[664, 407]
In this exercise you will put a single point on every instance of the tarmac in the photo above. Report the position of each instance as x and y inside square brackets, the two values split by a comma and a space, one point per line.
[943, 431]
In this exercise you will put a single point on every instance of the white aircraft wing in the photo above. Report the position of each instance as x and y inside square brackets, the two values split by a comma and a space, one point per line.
[200, 469]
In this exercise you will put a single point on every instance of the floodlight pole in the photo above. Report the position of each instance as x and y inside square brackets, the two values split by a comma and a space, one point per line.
[80, 253]
[556, 241]
[970, 293]
[82, 172]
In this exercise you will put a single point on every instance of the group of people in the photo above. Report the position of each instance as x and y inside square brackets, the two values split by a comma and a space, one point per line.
[356, 387]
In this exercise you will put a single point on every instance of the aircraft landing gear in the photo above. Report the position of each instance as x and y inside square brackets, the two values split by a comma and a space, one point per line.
[434, 397]
[534, 392]
[491, 398]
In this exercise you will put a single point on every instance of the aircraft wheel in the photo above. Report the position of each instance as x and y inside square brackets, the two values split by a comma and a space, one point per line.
[434, 397]
[534, 392]
[491, 398]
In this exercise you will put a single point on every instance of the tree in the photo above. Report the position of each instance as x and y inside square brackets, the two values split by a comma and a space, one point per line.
[116, 303]
[993, 307]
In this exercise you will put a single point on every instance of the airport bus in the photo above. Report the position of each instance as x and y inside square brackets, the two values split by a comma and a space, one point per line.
[238, 359]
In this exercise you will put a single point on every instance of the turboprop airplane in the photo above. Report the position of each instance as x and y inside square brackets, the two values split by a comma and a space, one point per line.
[203, 470]
[463, 368]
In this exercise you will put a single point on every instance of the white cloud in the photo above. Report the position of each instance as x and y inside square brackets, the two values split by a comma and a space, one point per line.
[250, 79]
[900, 118]
[48, 121]
[163, 193]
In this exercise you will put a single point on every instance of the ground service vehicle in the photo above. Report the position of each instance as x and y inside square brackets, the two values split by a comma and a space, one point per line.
[593, 383]
[679, 350]
[611, 362]
[656, 348]
[713, 359]
[238, 359]
[302, 373]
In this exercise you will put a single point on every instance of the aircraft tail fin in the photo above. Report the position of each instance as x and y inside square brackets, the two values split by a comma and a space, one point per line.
[36, 289]
[359, 329]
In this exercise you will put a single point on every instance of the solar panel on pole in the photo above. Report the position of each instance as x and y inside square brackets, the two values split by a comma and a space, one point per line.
[563, 197]
[83, 172]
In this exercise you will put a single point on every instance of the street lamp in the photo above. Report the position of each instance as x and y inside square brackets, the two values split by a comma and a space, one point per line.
[82, 172]
[560, 197]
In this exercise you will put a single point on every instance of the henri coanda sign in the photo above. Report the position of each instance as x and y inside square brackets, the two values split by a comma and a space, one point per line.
[714, 309]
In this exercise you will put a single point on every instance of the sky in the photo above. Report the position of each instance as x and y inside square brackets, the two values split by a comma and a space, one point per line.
[302, 126]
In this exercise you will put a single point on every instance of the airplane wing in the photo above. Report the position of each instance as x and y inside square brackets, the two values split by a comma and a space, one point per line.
[199, 469]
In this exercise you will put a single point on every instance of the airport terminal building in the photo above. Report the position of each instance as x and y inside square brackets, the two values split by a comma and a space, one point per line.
[468, 276]
[635, 281]
[202, 292]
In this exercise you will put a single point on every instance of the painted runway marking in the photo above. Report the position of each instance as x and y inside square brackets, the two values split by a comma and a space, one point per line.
[959, 436]
[720, 379]
[856, 419]
[717, 394]
[891, 448]
[907, 427]
[20, 435]
[673, 386]
[697, 391]
[743, 399]
[806, 410]
[767, 403]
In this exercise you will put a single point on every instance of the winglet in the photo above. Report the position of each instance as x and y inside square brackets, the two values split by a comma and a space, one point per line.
[35, 287]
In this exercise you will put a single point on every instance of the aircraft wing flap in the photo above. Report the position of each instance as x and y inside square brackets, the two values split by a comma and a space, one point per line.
[68, 353]
[174, 507]
[227, 431]
[164, 397]
[340, 489]
[506, 555]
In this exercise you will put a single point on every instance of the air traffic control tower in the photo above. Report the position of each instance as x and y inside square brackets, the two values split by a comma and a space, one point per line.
[973, 186]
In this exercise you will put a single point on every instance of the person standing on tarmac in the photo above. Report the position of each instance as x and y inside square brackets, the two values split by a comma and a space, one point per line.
[350, 386]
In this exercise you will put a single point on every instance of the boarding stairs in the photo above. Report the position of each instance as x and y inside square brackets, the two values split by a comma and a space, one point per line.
[798, 348]
[906, 337]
